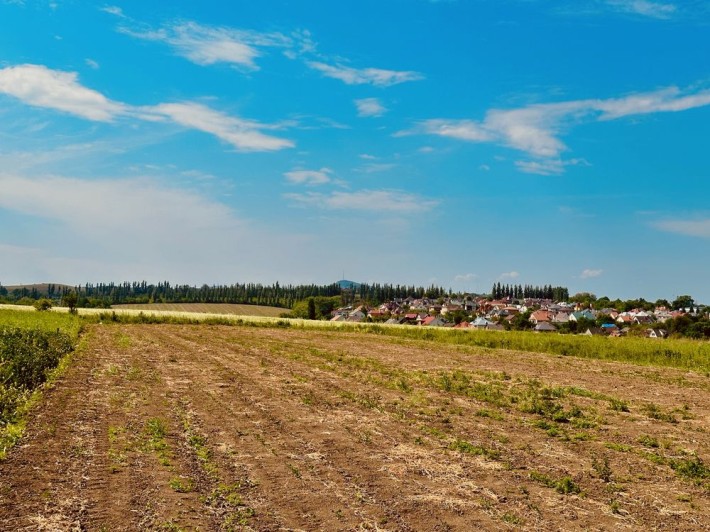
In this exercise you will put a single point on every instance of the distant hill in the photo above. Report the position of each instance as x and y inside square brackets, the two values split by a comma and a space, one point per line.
[348, 284]
[41, 288]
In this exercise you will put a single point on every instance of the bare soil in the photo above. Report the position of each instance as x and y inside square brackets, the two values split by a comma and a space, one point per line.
[172, 427]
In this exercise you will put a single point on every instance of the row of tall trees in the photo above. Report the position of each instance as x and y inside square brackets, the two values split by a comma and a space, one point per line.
[107, 294]
[555, 293]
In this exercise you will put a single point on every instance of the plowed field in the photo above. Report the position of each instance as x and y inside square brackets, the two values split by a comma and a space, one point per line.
[174, 427]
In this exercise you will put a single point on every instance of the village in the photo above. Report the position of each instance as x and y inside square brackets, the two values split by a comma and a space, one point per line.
[538, 315]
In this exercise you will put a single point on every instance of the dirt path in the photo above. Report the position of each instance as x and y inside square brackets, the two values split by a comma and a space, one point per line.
[159, 427]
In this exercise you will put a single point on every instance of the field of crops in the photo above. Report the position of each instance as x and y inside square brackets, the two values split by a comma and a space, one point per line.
[181, 426]
[208, 308]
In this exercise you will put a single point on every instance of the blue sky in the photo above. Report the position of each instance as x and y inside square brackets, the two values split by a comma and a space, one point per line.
[458, 142]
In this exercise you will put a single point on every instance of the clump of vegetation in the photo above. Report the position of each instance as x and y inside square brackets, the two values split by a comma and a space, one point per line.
[27, 356]
[468, 448]
[564, 485]
[31, 347]
[653, 411]
[691, 467]
[602, 468]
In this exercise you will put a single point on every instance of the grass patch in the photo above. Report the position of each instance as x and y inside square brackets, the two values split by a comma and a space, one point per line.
[564, 485]
[465, 447]
[182, 485]
[156, 431]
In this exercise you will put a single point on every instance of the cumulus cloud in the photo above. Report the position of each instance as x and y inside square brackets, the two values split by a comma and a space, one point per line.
[698, 228]
[589, 274]
[244, 135]
[40, 86]
[309, 177]
[364, 76]
[537, 129]
[370, 107]
[381, 201]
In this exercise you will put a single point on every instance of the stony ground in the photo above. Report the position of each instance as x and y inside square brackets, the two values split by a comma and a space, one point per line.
[166, 427]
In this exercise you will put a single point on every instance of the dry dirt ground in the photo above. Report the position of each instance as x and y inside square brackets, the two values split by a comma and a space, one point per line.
[166, 427]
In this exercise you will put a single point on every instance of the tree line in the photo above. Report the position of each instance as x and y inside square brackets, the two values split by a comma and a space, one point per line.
[103, 295]
[513, 291]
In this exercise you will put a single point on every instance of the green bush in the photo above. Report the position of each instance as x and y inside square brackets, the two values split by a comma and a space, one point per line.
[26, 358]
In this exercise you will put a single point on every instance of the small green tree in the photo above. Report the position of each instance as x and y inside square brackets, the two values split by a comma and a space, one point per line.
[69, 300]
[43, 304]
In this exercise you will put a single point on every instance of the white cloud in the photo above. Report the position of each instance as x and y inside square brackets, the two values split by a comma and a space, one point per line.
[509, 275]
[698, 228]
[370, 107]
[208, 45]
[670, 99]
[103, 207]
[467, 277]
[244, 135]
[373, 168]
[380, 201]
[53, 89]
[589, 274]
[548, 166]
[91, 63]
[458, 129]
[113, 10]
[40, 86]
[644, 7]
[536, 129]
[367, 157]
[484, 168]
[309, 177]
[134, 229]
[364, 76]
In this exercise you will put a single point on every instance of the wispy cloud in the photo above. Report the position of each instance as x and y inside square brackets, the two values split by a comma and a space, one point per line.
[94, 207]
[381, 201]
[309, 177]
[370, 107]
[466, 277]
[364, 76]
[40, 86]
[589, 273]
[508, 275]
[209, 45]
[537, 129]
[113, 10]
[373, 168]
[150, 223]
[91, 63]
[244, 135]
[548, 166]
[699, 227]
[644, 7]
